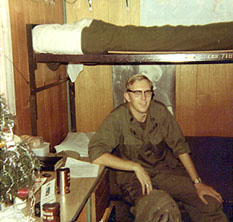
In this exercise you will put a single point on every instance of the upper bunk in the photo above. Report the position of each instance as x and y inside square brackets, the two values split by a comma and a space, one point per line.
[101, 43]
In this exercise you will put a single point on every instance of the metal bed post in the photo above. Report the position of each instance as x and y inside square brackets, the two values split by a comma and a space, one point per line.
[32, 67]
[32, 64]
[72, 106]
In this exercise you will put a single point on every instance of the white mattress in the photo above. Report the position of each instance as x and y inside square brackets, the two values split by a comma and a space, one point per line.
[59, 39]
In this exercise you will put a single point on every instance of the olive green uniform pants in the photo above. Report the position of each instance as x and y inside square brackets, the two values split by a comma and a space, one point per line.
[159, 205]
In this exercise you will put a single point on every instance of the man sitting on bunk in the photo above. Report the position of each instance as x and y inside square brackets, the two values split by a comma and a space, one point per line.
[150, 174]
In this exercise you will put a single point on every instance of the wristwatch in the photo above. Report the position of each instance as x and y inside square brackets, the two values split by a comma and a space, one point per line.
[197, 180]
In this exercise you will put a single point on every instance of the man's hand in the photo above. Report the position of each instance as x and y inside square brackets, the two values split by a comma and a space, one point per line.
[115, 162]
[144, 179]
[203, 189]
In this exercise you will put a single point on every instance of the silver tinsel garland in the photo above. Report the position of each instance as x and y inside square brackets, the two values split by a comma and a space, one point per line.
[17, 162]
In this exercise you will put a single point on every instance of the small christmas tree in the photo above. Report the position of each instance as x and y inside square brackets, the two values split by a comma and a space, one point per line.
[18, 163]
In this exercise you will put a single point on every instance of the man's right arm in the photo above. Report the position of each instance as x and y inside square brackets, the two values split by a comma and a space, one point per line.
[115, 162]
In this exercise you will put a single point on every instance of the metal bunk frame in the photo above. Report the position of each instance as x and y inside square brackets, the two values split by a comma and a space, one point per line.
[112, 58]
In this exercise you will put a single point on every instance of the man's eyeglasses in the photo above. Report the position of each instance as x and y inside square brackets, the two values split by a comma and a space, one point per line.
[139, 93]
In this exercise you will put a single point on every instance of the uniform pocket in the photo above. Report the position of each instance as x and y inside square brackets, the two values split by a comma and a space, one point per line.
[156, 138]
[129, 147]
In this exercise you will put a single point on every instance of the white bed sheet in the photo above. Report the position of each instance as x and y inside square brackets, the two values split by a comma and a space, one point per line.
[61, 39]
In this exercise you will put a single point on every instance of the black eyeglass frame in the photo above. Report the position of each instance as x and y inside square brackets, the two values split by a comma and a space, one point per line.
[140, 91]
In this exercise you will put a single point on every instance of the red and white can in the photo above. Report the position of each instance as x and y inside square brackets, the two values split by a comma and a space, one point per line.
[51, 212]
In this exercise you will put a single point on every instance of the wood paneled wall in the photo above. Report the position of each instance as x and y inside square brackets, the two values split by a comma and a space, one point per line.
[204, 99]
[52, 103]
[94, 98]
[203, 92]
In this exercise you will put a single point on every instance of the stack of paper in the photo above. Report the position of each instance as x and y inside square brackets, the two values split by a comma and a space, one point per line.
[81, 169]
[77, 142]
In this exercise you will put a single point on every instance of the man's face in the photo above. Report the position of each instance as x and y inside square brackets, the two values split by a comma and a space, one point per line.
[139, 98]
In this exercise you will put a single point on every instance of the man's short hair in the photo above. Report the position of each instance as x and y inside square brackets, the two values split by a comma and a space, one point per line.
[137, 77]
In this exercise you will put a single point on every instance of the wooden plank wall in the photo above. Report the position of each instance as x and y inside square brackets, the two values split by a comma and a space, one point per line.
[94, 99]
[204, 99]
[52, 104]
[203, 92]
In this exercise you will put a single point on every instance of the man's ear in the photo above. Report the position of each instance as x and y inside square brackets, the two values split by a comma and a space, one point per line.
[126, 96]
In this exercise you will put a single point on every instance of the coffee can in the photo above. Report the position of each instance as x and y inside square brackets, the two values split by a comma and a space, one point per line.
[63, 180]
[51, 212]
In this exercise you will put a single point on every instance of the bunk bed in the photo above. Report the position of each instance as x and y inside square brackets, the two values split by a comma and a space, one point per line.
[97, 50]
[138, 56]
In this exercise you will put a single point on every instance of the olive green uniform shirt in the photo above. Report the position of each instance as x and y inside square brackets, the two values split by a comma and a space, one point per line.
[145, 143]
[155, 145]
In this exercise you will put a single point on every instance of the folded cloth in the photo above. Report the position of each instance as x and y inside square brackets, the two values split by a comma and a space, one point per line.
[73, 71]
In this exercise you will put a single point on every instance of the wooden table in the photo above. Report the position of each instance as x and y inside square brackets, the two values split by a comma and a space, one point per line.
[88, 200]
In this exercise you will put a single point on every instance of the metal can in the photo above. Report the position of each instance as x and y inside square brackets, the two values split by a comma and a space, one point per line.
[51, 212]
[63, 180]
